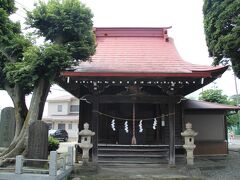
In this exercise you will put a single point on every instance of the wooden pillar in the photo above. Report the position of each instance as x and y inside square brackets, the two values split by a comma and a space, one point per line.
[85, 113]
[81, 117]
[94, 125]
[171, 111]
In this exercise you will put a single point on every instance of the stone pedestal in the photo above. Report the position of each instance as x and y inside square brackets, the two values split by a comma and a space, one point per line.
[189, 145]
[86, 144]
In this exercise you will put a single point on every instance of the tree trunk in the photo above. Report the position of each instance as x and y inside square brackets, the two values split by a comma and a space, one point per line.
[35, 112]
[38, 100]
[20, 110]
[18, 97]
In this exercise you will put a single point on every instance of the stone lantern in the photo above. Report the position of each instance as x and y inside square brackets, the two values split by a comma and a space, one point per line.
[189, 145]
[86, 144]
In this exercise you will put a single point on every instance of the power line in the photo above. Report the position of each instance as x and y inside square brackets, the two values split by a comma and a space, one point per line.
[20, 15]
[20, 10]
[24, 7]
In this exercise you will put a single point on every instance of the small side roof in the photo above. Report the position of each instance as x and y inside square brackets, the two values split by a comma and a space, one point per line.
[197, 104]
[69, 118]
[67, 98]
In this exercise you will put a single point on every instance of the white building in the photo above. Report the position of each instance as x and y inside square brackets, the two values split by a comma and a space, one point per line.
[63, 113]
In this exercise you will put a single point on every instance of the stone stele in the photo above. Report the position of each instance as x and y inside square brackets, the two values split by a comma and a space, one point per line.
[37, 143]
[7, 126]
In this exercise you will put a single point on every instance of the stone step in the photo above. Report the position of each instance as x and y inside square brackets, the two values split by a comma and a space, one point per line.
[132, 159]
[132, 150]
[132, 155]
[132, 163]
[118, 155]
[141, 153]
[131, 146]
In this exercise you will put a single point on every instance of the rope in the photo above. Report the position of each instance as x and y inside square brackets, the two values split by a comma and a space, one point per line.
[133, 134]
[127, 119]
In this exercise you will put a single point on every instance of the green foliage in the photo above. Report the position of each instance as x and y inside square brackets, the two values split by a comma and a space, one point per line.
[222, 29]
[8, 6]
[66, 22]
[12, 42]
[232, 119]
[235, 98]
[214, 95]
[38, 62]
[2, 76]
[53, 144]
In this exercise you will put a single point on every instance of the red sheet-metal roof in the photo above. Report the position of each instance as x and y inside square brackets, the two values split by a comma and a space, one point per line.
[138, 52]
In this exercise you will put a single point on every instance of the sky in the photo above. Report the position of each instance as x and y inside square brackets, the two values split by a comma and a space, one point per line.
[185, 17]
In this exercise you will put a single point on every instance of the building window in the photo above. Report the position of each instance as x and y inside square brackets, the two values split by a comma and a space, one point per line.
[61, 126]
[59, 108]
[74, 108]
[49, 125]
[69, 126]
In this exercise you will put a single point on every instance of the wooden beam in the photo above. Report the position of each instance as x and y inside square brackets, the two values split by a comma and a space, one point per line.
[171, 110]
[108, 99]
[94, 123]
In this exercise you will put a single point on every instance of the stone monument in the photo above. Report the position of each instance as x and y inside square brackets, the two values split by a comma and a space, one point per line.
[189, 145]
[37, 143]
[7, 127]
[86, 144]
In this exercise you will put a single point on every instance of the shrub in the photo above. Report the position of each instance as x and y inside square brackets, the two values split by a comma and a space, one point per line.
[53, 144]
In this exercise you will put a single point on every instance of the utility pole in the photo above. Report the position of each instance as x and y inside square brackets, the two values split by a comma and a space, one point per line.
[236, 88]
[224, 62]
[237, 100]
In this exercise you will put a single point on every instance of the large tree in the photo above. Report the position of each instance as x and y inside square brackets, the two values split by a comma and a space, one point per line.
[26, 67]
[222, 29]
[12, 46]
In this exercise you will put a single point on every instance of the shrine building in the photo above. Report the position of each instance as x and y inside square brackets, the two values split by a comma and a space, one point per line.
[132, 95]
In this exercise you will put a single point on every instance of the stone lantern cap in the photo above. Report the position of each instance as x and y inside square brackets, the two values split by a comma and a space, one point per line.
[189, 132]
[86, 131]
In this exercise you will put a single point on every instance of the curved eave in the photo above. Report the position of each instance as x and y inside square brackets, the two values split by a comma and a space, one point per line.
[215, 71]
[195, 74]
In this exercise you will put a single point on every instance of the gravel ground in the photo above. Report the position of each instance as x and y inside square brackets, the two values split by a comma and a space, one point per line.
[209, 168]
[220, 168]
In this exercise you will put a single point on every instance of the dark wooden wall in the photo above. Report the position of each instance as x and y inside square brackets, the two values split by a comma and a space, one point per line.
[150, 136]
